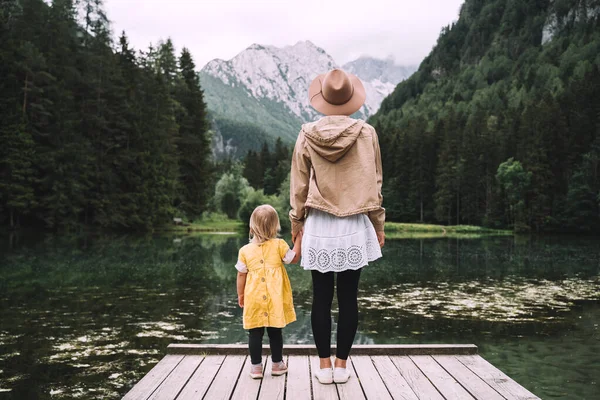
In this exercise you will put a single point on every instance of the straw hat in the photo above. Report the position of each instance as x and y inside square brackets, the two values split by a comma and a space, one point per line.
[336, 93]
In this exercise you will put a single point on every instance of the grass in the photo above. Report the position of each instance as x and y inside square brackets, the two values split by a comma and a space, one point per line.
[208, 223]
[395, 229]
[437, 235]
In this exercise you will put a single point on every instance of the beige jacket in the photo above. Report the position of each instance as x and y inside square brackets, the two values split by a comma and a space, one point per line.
[336, 168]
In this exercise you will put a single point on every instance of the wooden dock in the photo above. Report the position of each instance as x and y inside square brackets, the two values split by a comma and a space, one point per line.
[408, 372]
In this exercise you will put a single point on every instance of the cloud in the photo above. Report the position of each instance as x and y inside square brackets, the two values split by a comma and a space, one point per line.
[405, 30]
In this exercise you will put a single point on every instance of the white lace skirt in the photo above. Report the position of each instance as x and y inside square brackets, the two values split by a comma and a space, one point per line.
[334, 244]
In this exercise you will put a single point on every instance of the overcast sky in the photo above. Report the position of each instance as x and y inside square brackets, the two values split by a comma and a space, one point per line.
[403, 29]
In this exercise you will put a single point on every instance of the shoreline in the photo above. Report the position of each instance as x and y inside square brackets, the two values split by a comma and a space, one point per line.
[392, 229]
[398, 227]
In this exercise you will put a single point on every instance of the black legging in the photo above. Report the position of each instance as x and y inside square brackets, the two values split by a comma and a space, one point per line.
[275, 342]
[347, 292]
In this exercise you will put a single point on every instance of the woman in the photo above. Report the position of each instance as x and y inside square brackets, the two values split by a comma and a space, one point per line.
[335, 196]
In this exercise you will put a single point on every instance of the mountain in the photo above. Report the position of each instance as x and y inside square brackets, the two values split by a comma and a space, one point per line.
[500, 126]
[261, 94]
[380, 77]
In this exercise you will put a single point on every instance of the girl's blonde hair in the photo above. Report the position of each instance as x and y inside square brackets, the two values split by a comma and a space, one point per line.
[264, 224]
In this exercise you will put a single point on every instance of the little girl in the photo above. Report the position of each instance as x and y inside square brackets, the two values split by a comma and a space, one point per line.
[264, 289]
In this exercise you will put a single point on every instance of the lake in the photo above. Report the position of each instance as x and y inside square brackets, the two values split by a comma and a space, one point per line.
[87, 317]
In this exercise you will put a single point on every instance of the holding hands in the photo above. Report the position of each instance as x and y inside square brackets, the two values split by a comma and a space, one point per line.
[297, 236]
[381, 238]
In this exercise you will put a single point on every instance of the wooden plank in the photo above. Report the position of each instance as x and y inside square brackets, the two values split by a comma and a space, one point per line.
[370, 380]
[394, 381]
[273, 387]
[247, 388]
[300, 349]
[224, 383]
[171, 386]
[471, 382]
[199, 383]
[154, 378]
[320, 391]
[298, 379]
[351, 389]
[497, 379]
[443, 381]
[416, 379]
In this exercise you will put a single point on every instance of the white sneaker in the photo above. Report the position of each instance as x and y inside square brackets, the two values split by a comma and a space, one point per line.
[341, 375]
[324, 376]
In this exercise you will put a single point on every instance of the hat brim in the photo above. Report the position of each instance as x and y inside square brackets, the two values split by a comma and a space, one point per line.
[321, 105]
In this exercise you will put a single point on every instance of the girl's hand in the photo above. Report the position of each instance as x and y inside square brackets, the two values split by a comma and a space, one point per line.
[298, 237]
[241, 301]
[297, 247]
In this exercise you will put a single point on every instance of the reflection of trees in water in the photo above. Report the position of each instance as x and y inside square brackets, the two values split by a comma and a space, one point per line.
[84, 308]
[109, 261]
[426, 263]
[439, 260]
[115, 303]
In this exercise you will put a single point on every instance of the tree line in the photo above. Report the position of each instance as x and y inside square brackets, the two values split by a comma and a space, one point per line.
[92, 132]
[259, 178]
[500, 125]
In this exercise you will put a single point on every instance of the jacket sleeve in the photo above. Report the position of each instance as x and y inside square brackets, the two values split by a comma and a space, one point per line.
[299, 183]
[377, 216]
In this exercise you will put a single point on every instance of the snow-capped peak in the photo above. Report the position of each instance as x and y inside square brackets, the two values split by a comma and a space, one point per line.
[277, 74]
[283, 74]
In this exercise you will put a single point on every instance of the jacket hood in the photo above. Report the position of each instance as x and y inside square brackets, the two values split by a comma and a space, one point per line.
[331, 137]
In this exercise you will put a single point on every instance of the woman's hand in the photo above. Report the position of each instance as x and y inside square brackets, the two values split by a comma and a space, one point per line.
[298, 238]
[298, 235]
[381, 238]
[241, 301]
[297, 247]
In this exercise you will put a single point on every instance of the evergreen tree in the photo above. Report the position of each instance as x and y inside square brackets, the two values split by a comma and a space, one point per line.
[65, 165]
[17, 175]
[98, 136]
[538, 128]
[93, 135]
[490, 91]
[265, 162]
[158, 164]
[583, 209]
[166, 62]
[252, 169]
[449, 176]
[281, 165]
[270, 182]
[267, 170]
[194, 149]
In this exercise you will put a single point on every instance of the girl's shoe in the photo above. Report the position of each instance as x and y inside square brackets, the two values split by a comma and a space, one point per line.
[324, 376]
[256, 371]
[341, 375]
[279, 368]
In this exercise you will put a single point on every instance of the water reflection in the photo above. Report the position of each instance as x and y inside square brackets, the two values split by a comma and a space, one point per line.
[507, 300]
[87, 317]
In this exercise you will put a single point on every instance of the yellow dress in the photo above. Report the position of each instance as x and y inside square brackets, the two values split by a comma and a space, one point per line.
[268, 293]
